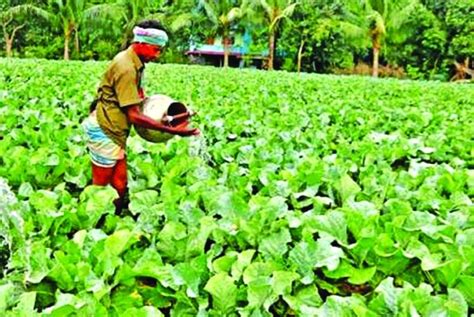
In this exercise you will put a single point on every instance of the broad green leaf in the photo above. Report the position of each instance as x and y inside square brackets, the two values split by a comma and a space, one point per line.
[63, 271]
[190, 274]
[282, 282]
[344, 307]
[327, 255]
[259, 293]
[355, 276]
[258, 270]
[305, 300]
[361, 219]
[6, 295]
[347, 188]
[116, 243]
[456, 304]
[142, 201]
[38, 265]
[149, 264]
[26, 305]
[65, 305]
[44, 201]
[223, 292]
[308, 255]
[145, 311]
[96, 201]
[332, 223]
[303, 259]
[448, 273]
[389, 295]
[224, 263]
[385, 246]
[362, 276]
[275, 245]
[229, 205]
[197, 240]
[25, 190]
[243, 261]
[125, 298]
[466, 287]
[172, 240]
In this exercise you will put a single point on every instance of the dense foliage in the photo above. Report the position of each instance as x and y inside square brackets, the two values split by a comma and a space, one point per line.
[420, 39]
[306, 195]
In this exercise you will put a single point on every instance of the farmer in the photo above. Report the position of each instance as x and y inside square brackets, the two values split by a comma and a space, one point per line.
[117, 107]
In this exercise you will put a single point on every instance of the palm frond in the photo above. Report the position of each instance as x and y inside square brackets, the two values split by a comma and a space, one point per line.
[103, 11]
[28, 9]
[267, 8]
[286, 13]
[234, 14]
[181, 21]
[378, 24]
[400, 15]
[211, 12]
[352, 31]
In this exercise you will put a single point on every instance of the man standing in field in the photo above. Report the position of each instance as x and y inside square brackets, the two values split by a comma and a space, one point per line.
[117, 107]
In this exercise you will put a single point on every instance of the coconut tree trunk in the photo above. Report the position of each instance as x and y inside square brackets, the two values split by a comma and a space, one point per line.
[76, 40]
[67, 36]
[300, 55]
[271, 49]
[226, 51]
[376, 52]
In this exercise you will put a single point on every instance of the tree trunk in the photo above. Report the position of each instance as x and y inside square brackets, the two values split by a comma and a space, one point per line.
[76, 40]
[300, 56]
[8, 41]
[271, 49]
[66, 46]
[375, 67]
[226, 51]
[9, 46]
[9, 38]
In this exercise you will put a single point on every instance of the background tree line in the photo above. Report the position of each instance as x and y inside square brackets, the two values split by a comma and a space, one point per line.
[420, 39]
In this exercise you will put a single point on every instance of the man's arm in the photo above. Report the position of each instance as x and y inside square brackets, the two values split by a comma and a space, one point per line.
[137, 118]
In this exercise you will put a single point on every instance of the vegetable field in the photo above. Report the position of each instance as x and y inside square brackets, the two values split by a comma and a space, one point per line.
[305, 195]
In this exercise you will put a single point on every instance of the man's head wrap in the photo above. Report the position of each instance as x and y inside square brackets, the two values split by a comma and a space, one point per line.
[150, 36]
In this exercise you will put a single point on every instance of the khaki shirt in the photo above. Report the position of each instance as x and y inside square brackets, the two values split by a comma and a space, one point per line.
[118, 89]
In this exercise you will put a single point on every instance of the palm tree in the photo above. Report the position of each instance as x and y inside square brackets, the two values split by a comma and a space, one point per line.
[68, 16]
[222, 15]
[274, 11]
[378, 19]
